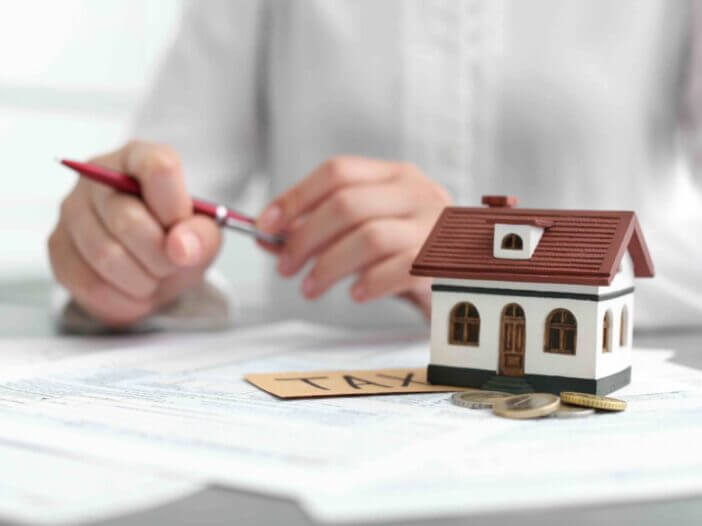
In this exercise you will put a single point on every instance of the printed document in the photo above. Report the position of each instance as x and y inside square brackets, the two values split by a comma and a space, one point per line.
[177, 407]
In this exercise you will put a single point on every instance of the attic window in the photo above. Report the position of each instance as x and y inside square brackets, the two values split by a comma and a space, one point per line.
[512, 242]
[515, 240]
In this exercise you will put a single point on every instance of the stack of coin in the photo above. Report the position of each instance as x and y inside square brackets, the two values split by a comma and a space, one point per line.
[571, 411]
[530, 405]
[478, 399]
[537, 405]
[602, 403]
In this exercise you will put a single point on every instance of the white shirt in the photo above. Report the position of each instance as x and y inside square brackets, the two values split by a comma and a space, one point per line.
[563, 103]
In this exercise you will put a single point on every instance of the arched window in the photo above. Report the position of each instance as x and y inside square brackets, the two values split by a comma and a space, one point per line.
[624, 327]
[464, 327]
[512, 242]
[607, 332]
[561, 332]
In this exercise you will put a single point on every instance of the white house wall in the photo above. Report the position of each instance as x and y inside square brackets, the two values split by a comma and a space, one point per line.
[623, 279]
[619, 358]
[536, 361]
[588, 361]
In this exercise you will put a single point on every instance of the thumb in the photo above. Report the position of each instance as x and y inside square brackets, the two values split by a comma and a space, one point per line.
[193, 241]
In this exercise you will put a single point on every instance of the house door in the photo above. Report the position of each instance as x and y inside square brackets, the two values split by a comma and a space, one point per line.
[512, 341]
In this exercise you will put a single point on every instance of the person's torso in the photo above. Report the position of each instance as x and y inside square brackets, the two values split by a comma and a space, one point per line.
[562, 103]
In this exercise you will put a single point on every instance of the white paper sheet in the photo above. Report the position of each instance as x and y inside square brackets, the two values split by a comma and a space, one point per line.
[42, 486]
[182, 404]
[178, 405]
[26, 353]
[649, 451]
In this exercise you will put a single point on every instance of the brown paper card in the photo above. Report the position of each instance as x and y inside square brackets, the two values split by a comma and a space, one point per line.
[311, 384]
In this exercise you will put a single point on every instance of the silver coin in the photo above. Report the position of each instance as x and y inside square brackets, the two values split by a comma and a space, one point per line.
[572, 411]
[478, 399]
[531, 405]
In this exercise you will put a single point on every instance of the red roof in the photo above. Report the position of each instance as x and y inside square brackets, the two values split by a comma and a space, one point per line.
[582, 247]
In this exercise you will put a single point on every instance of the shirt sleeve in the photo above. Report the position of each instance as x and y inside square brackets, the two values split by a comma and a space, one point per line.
[206, 101]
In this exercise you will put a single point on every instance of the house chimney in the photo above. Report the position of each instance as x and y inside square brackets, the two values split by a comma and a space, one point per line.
[500, 201]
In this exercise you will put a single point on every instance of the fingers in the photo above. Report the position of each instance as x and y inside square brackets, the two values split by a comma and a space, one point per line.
[341, 212]
[94, 294]
[193, 242]
[278, 247]
[389, 276]
[129, 221]
[105, 255]
[371, 242]
[173, 286]
[357, 216]
[142, 228]
[101, 299]
[122, 257]
[158, 170]
[331, 176]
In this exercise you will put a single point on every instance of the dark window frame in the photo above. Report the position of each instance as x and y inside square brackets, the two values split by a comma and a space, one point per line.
[607, 332]
[562, 324]
[464, 316]
[512, 242]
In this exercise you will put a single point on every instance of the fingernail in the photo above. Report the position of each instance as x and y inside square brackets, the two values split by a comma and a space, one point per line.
[192, 248]
[269, 218]
[284, 264]
[308, 286]
[358, 293]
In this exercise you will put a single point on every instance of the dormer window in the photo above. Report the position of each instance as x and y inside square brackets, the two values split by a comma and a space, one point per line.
[512, 242]
[517, 238]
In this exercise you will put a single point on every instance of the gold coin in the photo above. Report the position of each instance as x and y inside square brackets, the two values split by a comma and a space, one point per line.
[478, 399]
[594, 401]
[531, 405]
[572, 411]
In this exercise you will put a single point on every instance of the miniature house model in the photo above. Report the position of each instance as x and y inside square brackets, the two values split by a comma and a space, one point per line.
[532, 300]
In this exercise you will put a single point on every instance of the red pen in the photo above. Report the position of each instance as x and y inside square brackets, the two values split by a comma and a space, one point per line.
[220, 213]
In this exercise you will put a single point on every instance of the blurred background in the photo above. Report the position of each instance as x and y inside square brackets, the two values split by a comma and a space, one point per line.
[73, 73]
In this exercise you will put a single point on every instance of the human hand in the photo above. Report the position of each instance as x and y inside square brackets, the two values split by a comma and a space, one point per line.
[357, 216]
[122, 258]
